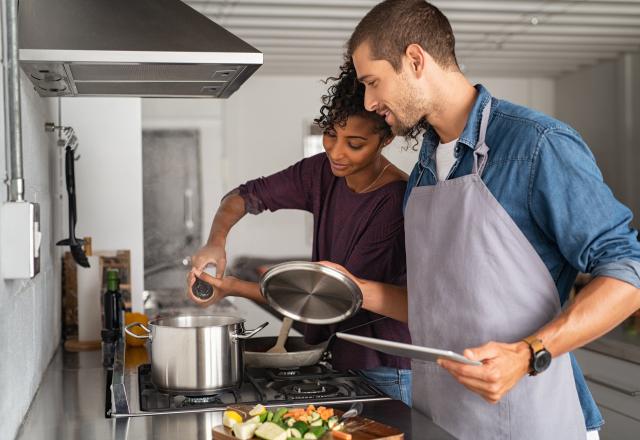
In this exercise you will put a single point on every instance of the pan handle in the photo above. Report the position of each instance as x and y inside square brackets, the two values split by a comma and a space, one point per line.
[246, 334]
[133, 335]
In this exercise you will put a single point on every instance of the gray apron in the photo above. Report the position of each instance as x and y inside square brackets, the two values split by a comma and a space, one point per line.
[473, 277]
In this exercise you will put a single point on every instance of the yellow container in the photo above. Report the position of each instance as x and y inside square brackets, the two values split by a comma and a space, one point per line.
[130, 318]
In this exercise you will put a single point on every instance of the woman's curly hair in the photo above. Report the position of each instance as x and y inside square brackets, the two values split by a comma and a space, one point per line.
[345, 97]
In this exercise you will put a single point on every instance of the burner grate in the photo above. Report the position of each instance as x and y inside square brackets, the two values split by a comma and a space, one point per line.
[308, 385]
[153, 399]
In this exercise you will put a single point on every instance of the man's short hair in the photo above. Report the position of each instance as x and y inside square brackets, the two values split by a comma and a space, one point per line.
[391, 26]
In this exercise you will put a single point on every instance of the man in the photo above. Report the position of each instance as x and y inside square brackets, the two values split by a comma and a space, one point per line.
[503, 208]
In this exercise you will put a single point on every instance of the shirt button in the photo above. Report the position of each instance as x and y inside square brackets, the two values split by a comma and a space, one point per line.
[456, 151]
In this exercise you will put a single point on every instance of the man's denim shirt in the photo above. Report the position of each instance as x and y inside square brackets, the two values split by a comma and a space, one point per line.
[544, 175]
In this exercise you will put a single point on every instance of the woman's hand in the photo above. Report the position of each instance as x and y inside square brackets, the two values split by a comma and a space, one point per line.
[210, 254]
[384, 299]
[222, 287]
[360, 282]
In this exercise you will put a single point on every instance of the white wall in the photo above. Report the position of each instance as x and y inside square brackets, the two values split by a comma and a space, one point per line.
[109, 177]
[30, 320]
[603, 104]
[204, 115]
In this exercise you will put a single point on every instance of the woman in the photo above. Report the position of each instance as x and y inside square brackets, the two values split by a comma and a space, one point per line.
[355, 195]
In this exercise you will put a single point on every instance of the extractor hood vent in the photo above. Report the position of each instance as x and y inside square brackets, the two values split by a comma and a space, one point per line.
[148, 48]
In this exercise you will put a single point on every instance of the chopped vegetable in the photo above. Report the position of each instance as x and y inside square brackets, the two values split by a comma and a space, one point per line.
[301, 427]
[230, 418]
[315, 433]
[341, 435]
[279, 413]
[284, 423]
[244, 431]
[271, 431]
[257, 410]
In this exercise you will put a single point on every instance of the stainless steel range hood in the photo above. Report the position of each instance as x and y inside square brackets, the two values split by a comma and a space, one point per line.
[147, 48]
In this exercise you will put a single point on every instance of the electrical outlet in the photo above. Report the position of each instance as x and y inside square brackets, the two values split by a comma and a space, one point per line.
[20, 239]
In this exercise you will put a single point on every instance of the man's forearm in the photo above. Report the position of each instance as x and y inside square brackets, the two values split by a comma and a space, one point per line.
[599, 307]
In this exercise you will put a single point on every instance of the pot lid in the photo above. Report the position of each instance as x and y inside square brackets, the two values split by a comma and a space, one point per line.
[310, 292]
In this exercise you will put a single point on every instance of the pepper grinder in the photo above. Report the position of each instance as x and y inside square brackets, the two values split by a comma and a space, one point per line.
[201, 289]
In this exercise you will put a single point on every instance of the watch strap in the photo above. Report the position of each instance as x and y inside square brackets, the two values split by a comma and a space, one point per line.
[535, 344]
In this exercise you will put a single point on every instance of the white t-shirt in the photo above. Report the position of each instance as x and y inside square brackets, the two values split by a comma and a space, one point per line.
[445, 158]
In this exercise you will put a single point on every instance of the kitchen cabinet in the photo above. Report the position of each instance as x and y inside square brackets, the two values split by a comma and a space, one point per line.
[615, 385]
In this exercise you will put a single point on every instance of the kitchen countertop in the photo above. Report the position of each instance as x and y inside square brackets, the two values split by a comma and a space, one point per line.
[70, 404]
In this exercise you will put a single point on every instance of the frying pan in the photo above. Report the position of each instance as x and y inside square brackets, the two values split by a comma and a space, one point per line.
[299, 353]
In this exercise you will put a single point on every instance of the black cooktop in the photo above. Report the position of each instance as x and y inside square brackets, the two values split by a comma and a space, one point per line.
[315, 384]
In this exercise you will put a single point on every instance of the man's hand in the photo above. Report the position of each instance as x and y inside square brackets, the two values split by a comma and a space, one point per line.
[503, 365]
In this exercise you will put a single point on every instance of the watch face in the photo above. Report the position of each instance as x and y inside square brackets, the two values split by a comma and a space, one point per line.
[541, 361]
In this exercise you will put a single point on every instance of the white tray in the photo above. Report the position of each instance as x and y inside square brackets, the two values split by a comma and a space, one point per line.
[406, 350]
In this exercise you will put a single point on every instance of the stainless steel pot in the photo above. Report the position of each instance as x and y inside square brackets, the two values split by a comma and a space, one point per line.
[196, 354]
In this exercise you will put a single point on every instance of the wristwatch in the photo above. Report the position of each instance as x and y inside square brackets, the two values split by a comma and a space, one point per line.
[540, 357]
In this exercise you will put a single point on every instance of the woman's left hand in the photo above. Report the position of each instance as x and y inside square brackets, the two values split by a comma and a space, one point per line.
[342, 269]
[221, 287]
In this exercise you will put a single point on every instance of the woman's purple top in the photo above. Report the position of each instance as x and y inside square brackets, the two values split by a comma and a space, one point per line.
[362, 232]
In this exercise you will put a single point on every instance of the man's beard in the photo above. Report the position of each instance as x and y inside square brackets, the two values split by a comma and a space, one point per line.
[413, 120]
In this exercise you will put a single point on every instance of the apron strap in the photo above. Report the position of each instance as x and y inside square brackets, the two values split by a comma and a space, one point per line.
[481, 150]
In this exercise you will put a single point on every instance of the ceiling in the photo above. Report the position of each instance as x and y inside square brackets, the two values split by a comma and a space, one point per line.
[499, 37]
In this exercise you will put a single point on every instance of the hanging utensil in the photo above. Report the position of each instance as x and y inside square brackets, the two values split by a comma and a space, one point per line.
[74, 243]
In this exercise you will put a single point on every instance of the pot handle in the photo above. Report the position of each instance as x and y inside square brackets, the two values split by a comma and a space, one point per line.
[246, 334]
[133, 335]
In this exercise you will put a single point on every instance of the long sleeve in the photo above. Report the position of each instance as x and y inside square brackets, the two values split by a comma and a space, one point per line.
[578, 211]
[290, 188]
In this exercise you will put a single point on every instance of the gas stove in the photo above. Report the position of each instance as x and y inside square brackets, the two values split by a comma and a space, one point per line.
[133, 393]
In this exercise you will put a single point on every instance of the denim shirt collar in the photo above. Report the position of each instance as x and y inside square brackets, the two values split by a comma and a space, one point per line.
[469, 136]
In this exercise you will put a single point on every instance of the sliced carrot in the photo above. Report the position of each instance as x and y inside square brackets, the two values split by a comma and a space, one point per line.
[341, 435]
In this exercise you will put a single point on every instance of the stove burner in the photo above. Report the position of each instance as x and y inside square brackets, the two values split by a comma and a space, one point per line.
[153, 399]
[318, 371]
[287, 373]
[303, 390]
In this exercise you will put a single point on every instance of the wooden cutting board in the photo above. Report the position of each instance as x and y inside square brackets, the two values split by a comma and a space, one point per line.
[360, 428]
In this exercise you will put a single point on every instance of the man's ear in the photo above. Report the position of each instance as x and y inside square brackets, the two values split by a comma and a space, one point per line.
[417, 59]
